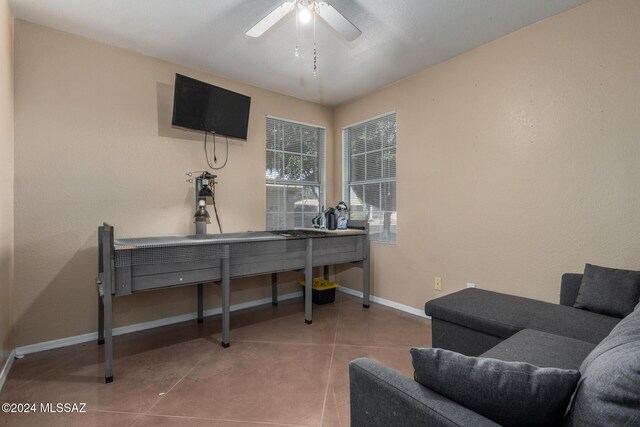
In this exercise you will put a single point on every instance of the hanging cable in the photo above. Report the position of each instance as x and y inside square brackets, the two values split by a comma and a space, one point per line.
[215, 209]
[315, 52]
[215, 160]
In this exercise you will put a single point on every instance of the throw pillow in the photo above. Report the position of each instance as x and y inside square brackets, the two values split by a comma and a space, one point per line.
[509, 393]
[608, 291]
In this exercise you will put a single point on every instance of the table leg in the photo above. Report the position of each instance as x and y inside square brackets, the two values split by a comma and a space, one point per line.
[308, 282]
[325, 272]
[108, 337]
[274, 289]
[366, 276]
[225, 298]
[200, 303]
[100, 320]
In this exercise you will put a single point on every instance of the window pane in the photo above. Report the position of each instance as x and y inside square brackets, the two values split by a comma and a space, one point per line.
[289, 220]
[270, 166]
[382, 226]
[292, 167]
[375, 133]
[374, 165]
[275, 168]
[358, 165]
[275, 198]
[294, 157]
[309, 169]
[390, 140]
[376, 223]
[274, 135]
[308, 219]
[389, 163]
[270, 173]
[311, 197]
[372, 196]
[310, 141]
[388, 196]
[370, 148]
[357, 139]
[356, 198]
[292, 140]
[293, 201]
[273, 221]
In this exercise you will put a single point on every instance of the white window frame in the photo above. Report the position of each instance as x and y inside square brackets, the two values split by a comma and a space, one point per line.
[321, 183]
[346, 178]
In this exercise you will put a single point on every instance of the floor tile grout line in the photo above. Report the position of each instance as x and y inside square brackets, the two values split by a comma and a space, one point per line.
[333, 351]
[399, 347]
[284, 342]
[230, 420]
[335, 401]
[134, 422]
[111, 411]
[172, 387]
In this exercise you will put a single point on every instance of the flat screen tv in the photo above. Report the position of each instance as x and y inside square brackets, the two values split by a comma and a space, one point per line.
[204, 107]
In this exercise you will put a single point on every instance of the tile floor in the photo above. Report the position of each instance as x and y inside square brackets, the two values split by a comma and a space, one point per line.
[278, 370]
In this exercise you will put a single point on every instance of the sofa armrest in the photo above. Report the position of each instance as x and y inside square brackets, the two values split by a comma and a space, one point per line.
[569, 287]
[382, 397]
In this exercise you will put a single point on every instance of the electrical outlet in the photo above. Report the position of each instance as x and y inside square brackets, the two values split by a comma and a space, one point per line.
[437, 282]
[471, 285]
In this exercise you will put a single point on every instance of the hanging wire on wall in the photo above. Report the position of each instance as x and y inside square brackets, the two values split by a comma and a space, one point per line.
[215, 159]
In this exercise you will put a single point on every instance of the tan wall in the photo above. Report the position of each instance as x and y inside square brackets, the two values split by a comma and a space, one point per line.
[6, 179]
[94, 144]
[517, 161]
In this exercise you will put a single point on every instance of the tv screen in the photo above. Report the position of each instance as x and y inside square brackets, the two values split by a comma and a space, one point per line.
[200, 106]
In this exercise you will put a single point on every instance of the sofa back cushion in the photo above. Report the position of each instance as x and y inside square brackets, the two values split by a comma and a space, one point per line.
[608, 392]
[609, 291]
[509, 393]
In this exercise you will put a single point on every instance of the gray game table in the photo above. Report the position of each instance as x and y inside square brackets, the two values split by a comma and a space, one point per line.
[128, 266]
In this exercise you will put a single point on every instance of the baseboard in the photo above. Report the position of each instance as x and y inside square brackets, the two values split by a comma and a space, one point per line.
[6, 368]
[386, 302]
[93, 336]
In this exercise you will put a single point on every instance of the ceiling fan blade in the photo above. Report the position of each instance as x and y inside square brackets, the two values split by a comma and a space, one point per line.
[271, 19]
[337, 21]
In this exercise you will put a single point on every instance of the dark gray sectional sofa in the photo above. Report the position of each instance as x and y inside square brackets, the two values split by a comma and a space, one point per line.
[604, 349]
[476, 322]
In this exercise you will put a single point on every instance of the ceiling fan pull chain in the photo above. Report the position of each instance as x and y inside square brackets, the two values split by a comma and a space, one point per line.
[315, 62]
[297, 51]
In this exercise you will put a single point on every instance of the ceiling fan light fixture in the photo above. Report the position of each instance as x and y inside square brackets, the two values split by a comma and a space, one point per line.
[304, 16]
[307, 10]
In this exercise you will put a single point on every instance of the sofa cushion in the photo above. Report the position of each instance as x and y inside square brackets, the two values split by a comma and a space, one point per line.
[503, 315]
[569, 288]
[609, 291]
[542, 349]
[573, 323]
[509, 393]
[609, 390]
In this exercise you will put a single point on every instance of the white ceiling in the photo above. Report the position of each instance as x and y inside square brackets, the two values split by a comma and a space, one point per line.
[399, 37]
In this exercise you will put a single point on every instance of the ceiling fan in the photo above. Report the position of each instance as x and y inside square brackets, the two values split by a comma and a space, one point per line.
[305, 10]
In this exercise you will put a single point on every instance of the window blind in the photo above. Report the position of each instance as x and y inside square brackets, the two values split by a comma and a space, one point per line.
[369, 175]
[294, 173]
